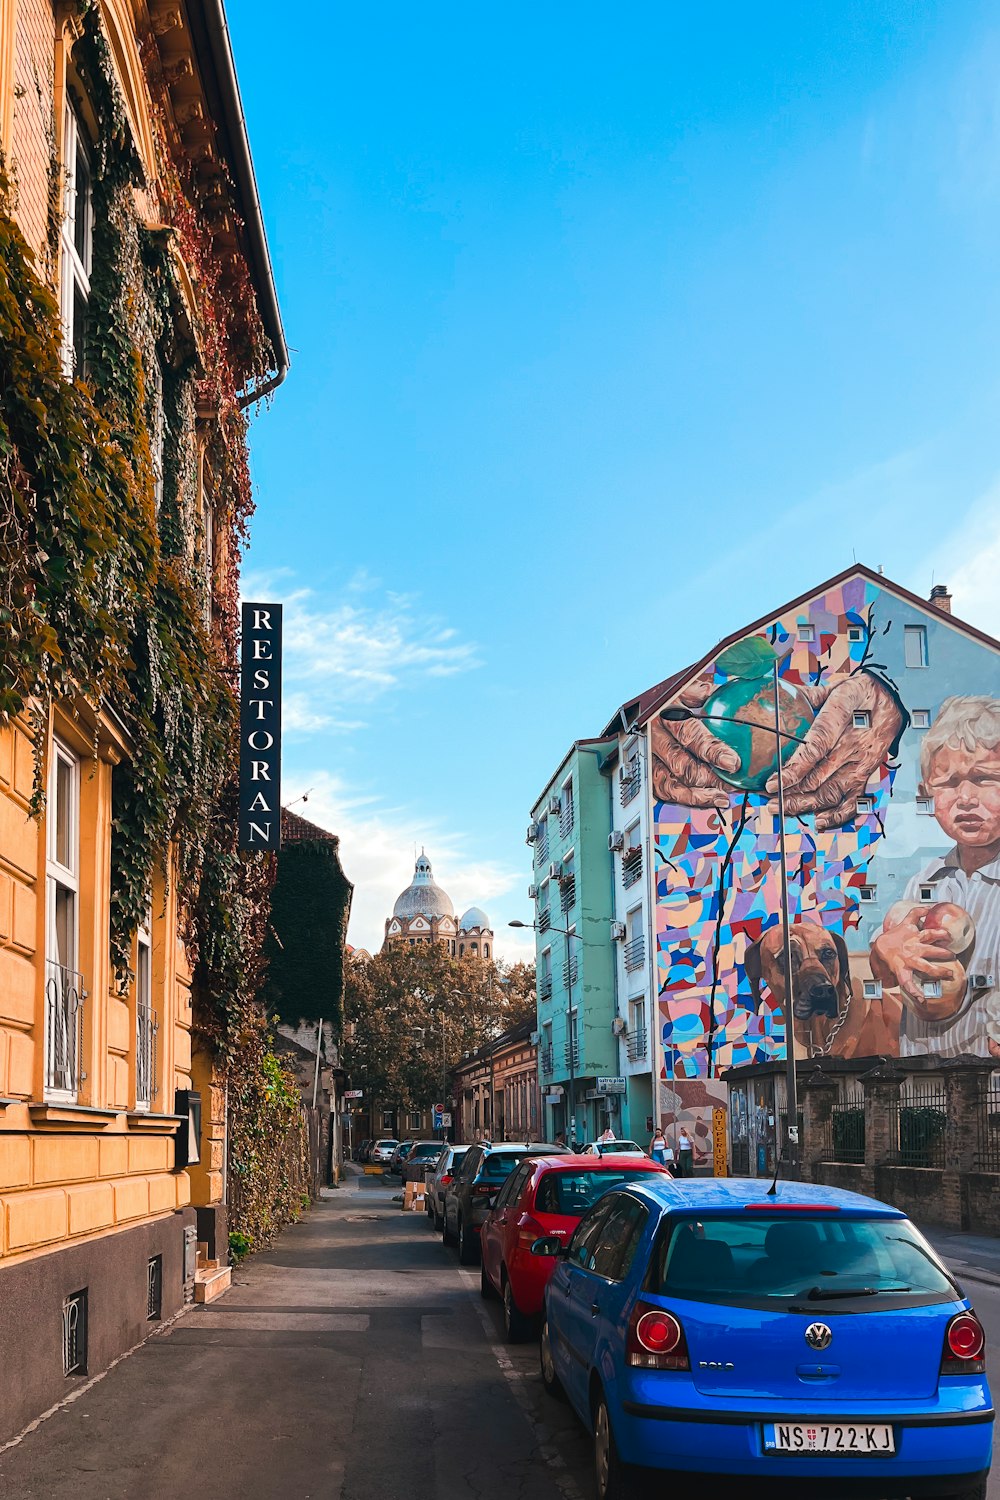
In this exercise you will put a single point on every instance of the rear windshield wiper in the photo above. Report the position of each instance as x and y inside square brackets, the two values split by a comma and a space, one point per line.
[827, 1294]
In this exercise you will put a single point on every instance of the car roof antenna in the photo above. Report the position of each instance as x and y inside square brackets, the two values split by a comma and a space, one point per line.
[772, 1191]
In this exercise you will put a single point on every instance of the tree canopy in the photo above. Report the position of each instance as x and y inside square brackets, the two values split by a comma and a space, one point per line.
[401, 1000]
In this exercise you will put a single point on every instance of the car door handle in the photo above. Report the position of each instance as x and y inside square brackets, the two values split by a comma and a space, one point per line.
[594, 1309]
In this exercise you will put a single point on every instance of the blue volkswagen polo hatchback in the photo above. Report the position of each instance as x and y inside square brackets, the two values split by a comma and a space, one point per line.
[808, 1339]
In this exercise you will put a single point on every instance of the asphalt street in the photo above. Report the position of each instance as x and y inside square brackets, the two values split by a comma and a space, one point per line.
[355, 1361]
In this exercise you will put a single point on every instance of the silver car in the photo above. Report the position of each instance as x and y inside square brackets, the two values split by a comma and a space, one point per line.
[421, 1156]
[381, 1152]
[438, 1180]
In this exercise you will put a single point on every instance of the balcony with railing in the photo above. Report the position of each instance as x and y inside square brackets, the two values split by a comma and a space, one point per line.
[634, 953]
[638, 1045]
[545, 987]
[542, 846]
[544, 919]
[567, 893]
[629, 781]
[571, 970]
[631, 865]
[566, 814]
[64, 997]
[545, 1061]
[572, 1053]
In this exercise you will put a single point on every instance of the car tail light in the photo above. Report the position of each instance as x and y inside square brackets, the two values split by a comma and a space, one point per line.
[964, 1346]
[655, 1340]
[483, 1189]
[529, 1230]
[446, 1177]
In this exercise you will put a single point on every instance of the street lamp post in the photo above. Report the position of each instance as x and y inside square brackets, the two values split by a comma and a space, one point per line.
[570, 1022]
[678, 714]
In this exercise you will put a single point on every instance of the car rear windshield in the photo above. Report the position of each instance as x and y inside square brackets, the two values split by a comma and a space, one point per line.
[572, 1193]
[498, 1165]
[428, 1150]
[795, 1257]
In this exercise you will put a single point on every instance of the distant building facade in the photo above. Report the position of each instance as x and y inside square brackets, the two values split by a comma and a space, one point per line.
[424, 913]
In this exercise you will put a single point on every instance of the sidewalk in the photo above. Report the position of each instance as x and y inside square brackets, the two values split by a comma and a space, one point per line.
[974, 1257]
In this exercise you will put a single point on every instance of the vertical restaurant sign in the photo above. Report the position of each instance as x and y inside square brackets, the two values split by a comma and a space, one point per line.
[260, 728]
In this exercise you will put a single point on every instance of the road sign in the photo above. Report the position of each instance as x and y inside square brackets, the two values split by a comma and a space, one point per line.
[438, 1116]
[354, 1093]
[446, 1120]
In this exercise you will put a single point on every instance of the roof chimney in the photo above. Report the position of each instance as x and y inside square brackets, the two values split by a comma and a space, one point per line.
[940, 598]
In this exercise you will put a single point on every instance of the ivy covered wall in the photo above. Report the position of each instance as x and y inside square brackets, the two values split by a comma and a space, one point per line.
[310, 905]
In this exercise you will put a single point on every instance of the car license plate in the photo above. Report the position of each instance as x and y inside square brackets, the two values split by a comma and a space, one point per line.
[841, 1438]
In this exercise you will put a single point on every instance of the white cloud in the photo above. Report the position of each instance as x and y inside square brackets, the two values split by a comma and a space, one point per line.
[357, 649]
[377, 846]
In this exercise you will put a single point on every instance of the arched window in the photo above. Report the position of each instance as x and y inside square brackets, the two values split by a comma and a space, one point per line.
[475, 947]
[461, 949]
[486, 950]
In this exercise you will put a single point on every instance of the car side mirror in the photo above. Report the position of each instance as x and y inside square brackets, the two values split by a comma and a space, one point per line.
[549, 1244]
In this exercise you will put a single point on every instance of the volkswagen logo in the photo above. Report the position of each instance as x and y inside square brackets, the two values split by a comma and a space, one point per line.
[818, 1336]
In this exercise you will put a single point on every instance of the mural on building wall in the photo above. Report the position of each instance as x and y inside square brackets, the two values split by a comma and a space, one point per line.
[923, 978]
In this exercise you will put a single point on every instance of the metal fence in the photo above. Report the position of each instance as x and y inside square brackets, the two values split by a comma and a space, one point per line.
[917, 1125]
[988, 1129]
[847, 1129]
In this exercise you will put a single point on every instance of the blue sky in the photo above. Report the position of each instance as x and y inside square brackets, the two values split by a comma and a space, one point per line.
[610, 330]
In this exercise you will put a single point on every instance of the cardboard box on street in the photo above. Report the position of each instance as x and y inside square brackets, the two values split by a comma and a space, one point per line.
[413, 1195]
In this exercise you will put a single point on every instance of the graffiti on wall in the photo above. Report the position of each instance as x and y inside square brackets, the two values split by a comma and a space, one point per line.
[926, 978]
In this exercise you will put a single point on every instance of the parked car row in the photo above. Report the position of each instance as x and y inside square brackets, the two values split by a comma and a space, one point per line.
[804, 1337]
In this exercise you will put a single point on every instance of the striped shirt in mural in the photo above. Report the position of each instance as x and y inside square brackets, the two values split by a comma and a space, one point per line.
[978, 1020]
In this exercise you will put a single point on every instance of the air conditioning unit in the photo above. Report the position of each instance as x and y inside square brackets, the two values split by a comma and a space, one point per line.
[532, 893]
[534, 1038]
[553, 872]
[555, 805]
[616, 840]
[981, 981]
[617, 932]
[532, 833]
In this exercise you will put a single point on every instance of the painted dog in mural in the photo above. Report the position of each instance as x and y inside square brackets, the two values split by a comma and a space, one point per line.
[828, 1017]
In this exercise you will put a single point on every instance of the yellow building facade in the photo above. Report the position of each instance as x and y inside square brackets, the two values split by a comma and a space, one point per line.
[105, 1092]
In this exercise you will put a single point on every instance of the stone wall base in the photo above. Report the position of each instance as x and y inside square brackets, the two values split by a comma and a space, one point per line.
[213, 1229]
[113, 1270]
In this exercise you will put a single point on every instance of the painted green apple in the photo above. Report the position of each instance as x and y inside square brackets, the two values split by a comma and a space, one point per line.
[741, 713]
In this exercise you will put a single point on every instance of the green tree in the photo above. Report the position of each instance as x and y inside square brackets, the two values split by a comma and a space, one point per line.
[396, 1002]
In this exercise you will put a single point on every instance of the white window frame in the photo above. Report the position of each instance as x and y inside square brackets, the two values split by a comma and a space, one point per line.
[145, 1019]
[872, 989]
[865, 804]
[867, 893]
[917, 634]
[855, 632]
[921, 718]
[861, 719]
[59, 988]
[74, 268]
[931, 989]
[925, 806]
[807, 634]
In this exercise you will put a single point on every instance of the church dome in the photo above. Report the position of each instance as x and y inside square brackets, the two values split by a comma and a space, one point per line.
[423, 896]
[475, 917]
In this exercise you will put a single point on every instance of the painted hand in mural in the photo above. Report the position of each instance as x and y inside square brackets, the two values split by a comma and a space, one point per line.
[907, 955]
[687, 755]
[827, 774]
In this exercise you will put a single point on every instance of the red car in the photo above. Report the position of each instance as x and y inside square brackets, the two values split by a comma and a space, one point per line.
[544, 1195]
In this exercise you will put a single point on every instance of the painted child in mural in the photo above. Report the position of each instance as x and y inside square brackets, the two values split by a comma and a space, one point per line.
[939, 948]
[716, 836]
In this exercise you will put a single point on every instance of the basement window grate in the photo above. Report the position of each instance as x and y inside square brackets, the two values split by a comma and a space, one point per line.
[75, 1334]
[154, 1288]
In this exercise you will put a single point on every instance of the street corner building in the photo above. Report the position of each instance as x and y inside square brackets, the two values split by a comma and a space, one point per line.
[658, 842]
[138, 324]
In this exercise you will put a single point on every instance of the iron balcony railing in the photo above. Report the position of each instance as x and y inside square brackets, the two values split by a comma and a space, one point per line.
[545, 1061]
[571, 970]
[573, 1054]
[630, 779]
[632, 866]
[542, 846]
[64, 997]
[544, 918]
[545, 987]
[566, 815]
[147, 1027]
[567, 893]
[637, 1045]
[634, 953]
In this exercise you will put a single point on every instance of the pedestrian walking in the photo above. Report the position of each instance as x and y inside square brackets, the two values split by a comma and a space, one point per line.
[685, 1152]
[660, 1149]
